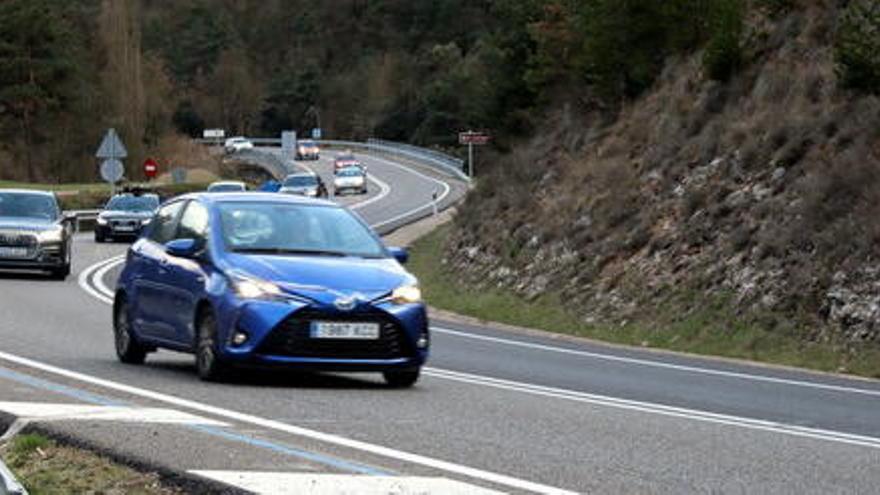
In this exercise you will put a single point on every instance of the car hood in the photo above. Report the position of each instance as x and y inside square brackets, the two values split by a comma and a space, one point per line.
[349, 180]
[109, 214]
[325, 279]
[23, 223]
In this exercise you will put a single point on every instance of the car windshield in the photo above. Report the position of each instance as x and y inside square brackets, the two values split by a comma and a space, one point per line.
[350, 172]
[301, 181]
[295, 229]
[133, 203]
[24, 205]
[226, 188]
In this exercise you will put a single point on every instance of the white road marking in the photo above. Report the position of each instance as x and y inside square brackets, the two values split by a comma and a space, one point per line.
[443, 195]
[269, 483]
[84, 279]
[45, 411]
[658, 364]
[379, 450]
[658, 409]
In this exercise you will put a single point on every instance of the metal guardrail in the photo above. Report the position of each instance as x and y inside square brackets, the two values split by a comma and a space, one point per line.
[441, 162]
[9, 485]
[438, 160]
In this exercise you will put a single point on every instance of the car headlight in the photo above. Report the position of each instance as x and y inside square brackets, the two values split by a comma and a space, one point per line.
[408, 294]
[102, 221]
[53, 235]
[146, 222]
[248, 287]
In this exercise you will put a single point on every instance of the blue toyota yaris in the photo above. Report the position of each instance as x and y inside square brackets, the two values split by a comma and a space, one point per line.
[267, 280]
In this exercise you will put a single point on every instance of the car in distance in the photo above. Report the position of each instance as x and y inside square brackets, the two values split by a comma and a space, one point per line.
[270, 280]
[352, 178]
[307, 149]
[227, 186]
[304, 184]
[346, 159]
[236, 144]
[34, 233]
[125, 216]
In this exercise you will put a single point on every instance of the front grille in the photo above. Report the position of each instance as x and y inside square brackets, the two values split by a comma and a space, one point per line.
[292, 338]
[18, 239]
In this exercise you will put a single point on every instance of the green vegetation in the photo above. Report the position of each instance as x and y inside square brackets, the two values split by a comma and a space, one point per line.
[714, 330]
[44, 467]
[858, 46]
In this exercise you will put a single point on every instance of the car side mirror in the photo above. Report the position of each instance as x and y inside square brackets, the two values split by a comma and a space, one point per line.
[182, 248]
[400, 254]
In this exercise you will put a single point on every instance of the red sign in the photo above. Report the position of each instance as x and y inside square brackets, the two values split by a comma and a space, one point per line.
[151, 168]
[470, 137]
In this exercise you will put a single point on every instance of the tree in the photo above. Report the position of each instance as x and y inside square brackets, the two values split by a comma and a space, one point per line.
[857, 47]
[37, 69]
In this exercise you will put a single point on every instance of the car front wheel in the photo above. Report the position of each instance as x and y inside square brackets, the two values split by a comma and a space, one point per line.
[208, 364]
[128, 349]
[401, 379]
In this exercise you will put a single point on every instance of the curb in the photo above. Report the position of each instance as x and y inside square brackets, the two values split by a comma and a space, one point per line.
[9, 485]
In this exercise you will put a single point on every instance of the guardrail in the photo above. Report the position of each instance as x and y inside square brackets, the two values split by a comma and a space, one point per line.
[438, 160]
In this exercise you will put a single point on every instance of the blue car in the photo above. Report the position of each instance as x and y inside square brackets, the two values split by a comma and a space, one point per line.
[267, 280]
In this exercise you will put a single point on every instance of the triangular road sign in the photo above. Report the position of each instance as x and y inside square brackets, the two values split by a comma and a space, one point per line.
[111, 147]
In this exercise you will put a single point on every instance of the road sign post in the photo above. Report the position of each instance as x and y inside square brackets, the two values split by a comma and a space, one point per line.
[471, 139]
[111, 152]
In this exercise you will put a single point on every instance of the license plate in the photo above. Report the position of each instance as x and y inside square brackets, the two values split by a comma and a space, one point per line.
[13, 252]
[354, 331]
[124, 228]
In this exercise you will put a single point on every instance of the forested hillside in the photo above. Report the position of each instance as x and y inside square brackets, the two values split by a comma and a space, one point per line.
[412, 71]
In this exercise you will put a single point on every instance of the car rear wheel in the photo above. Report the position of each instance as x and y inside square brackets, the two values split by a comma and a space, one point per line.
[401, 379]
[208, 363]
[128, 349]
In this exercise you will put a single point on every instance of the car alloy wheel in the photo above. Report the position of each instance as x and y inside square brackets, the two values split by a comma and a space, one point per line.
[128, 350]
[208, 365]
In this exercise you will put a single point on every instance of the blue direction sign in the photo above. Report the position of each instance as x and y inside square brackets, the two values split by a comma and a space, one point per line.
[111, 147]
[316, 133]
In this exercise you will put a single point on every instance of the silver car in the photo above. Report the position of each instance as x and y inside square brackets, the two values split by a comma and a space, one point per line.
[34, 233]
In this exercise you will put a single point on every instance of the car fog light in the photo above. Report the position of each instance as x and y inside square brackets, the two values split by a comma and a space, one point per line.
[422, 343]
[239, 338]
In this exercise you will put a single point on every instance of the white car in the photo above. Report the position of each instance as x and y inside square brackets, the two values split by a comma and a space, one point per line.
[227, 186]
[350, 179]
[304, 184]
[236, 144]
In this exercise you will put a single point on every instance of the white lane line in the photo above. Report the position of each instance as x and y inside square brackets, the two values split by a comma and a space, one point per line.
[387, 452]
[446, 190]
[657, 409]
[658, 364]
[47, 411]
[85, 281]
[270, 483]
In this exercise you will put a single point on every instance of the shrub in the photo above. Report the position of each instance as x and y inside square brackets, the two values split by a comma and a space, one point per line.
[724, 51]
[857, 48]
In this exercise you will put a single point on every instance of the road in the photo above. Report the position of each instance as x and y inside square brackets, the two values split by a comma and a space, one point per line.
[496, 410]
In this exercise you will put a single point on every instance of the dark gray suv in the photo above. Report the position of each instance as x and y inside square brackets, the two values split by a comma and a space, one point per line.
[34, 233]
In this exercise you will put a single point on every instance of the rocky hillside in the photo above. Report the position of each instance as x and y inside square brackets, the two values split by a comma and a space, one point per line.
[757, 199]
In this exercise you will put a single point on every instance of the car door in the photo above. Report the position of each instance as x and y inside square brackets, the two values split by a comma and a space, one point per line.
[188, 276]
[150, 314]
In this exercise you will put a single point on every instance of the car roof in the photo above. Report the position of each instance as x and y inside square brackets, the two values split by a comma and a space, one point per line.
[301, 174]
[256, 197]
[29, 191]
[227, 183]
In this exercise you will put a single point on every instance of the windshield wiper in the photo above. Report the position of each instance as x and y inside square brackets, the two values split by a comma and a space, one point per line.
[292, 252]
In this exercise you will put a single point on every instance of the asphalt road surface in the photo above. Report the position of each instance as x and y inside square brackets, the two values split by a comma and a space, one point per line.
[495, 410]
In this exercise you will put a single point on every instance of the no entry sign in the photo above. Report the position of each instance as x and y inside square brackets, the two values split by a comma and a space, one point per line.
[151, 168]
